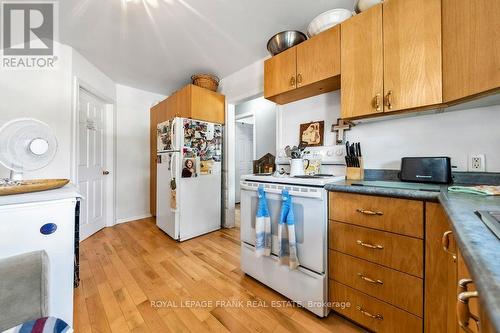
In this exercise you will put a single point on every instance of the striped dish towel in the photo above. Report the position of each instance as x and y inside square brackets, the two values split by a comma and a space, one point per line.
[263, 234]
[287, 253]
[42, 325]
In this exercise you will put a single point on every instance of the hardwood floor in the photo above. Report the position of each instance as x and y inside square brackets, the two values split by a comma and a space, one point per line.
[134, 278]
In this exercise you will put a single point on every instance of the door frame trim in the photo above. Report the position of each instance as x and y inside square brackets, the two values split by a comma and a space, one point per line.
[110, 148]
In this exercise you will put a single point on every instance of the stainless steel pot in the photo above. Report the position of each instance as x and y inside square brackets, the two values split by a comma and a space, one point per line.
[285, 40]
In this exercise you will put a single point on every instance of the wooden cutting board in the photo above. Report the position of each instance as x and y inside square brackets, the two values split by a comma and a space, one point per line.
[33, 185]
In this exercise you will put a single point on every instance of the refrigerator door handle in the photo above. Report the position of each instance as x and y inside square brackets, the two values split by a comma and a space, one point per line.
[172, 136]
[173, 177]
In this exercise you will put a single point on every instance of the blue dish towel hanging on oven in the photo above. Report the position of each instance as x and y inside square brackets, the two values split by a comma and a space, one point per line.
[287, 253]
[263, 234]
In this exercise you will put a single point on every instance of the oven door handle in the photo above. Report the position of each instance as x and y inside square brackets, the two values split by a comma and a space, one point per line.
[306, 194]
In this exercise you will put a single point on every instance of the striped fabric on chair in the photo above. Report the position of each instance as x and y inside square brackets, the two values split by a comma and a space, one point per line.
[42, 325]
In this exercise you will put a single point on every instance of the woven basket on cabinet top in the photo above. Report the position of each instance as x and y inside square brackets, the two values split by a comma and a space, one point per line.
[206, 81]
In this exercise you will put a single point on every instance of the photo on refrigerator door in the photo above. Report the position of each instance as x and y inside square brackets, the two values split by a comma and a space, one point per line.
[164, 137]
[189, 168]
[206, 167]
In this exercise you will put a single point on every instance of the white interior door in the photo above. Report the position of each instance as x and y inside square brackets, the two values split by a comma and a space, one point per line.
[244, 153]
[91, 157]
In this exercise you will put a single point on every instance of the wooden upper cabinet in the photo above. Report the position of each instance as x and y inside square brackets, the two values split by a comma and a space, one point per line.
[471, 47]
[316, 60]
[412, 54]
[207, 105]
[362, 64]
[308, 69]
[280, 73]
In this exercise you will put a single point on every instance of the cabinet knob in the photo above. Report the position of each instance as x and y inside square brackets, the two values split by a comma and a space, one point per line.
[292, 81]
[105, 172]
[299, 79]
[445, 241]
[388, 99]
[376, 103]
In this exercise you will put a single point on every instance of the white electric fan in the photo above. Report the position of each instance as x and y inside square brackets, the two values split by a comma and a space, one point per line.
[26, 145]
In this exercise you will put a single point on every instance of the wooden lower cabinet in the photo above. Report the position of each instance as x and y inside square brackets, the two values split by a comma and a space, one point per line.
[372, 313]
[399, 216]
[398, 252]
[396, 283]
[440, 272]
[403, 290]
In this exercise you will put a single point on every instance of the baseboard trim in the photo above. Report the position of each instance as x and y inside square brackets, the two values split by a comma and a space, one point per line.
[133, 218]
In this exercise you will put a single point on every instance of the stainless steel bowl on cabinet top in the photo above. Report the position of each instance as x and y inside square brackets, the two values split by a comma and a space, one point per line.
[285, 40]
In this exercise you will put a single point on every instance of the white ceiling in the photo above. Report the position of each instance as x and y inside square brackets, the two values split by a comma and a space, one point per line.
[157, 44]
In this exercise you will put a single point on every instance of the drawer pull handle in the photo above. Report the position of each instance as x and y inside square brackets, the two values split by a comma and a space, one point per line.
[367, 279]
[368, 212]
[463, 311]
[368, 314]
[370, 246]
[445, 241]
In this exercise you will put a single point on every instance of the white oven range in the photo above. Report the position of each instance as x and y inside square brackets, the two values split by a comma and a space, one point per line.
[307, 285]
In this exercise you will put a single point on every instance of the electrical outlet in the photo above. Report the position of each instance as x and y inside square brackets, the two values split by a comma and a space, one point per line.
[477, 163]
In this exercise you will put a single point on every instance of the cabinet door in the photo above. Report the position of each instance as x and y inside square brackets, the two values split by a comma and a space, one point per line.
[463, 273]
[319, 57]
[440, 273]
[280, 73]
[362, 64]
[471, 47]
[207, 105]
[412, 54]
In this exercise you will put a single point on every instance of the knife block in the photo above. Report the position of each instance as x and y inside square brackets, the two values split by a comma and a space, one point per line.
[353, 173]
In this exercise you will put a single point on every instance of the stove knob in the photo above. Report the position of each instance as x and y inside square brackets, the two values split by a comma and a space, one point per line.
[329, 153]
[339, 152]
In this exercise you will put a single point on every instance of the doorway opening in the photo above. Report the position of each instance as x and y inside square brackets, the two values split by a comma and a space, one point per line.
[255, 137]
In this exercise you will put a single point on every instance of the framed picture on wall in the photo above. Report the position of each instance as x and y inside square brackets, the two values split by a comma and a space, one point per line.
[312, 133]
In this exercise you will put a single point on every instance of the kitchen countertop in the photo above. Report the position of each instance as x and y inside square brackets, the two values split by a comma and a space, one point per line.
[66, 192]
[478, 245]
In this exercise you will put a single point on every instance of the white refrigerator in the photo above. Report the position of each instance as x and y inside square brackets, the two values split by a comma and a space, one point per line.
[189, 177]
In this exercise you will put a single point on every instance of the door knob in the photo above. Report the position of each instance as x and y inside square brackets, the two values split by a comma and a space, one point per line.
[105, 172]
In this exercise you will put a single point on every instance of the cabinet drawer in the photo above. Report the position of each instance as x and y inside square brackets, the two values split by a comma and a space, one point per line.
[400, 216]
[372, 313]
[399, 289]
[402, 253]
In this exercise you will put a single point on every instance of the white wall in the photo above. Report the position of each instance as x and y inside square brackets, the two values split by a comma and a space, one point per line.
[50, 96]
[264, 113]
[132, 135]
[386, 140]
[44, 95]
[323, 107]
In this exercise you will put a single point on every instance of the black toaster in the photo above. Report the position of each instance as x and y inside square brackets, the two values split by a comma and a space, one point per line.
[426, 170]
